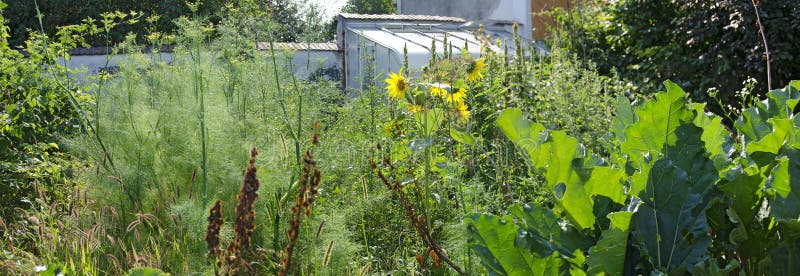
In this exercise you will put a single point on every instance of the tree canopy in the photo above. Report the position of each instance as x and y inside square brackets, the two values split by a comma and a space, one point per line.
[371, 6]
[153, 16]
[702, 44]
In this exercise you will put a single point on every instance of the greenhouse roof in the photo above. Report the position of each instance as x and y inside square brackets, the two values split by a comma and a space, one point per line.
[417, 34]
[299, 46]
[401, 17]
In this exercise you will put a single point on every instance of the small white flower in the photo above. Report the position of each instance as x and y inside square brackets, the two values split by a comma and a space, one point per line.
[39, 268]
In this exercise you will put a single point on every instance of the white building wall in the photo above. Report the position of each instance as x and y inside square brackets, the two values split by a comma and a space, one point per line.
[474, 10]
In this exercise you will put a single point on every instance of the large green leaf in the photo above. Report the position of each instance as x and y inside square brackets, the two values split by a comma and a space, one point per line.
[740, 223]
[656, 124]
[567, 181]
[753, 122]
[540, 245]
[559, 157]
[524, 134]
[624, 117]
[783, 188]
[716, 137]
[608, 255]
[556, 157]
[783, 133]
[780, 103]
[671, 223]
[667, 128]
[543, 233]
[608, 182]
[688, 153]
[494, 240]
[744, 188]
[515, 127]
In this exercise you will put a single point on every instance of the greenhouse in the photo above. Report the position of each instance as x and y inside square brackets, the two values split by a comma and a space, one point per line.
[374, 45]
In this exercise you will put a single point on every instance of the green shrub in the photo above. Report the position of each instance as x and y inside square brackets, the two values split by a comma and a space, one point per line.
[39, 105]
[704, 44]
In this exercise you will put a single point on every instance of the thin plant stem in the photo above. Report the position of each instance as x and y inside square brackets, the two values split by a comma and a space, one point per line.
[281, 102]
[197, 75]
[299, 110]
[766, 47]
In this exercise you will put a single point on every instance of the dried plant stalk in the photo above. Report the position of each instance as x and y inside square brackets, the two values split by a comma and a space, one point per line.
[245, 214]
[309, 184]
[215, 222]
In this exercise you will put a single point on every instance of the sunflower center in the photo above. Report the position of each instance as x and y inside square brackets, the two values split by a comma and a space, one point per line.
[401, 85]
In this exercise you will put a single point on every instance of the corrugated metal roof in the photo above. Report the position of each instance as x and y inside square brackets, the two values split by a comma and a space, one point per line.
[93, 51]
[325, 46]
[402, 17]
[101, 50]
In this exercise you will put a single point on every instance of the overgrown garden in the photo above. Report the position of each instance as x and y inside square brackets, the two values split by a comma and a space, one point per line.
[605, 155]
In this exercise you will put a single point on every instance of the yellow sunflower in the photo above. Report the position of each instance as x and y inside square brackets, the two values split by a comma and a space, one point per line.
[398, 85]
[438, 92]
[475, 70]
[389, 128]
[461, 110]
[414, 108]
[457, 97]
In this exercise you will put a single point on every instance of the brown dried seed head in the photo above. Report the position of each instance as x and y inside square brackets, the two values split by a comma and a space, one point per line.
[215, 222]
[435, 257]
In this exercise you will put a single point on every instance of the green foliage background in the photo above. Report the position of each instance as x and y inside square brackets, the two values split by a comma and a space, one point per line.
[39, 102]
[700, 44]
[22, 16]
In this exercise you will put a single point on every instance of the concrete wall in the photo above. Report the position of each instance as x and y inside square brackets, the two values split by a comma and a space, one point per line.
[467, 9]
[93, 64]
[474, 10]
[528, 12]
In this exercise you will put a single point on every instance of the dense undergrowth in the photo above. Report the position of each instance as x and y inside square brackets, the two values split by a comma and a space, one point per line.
[219, 160]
